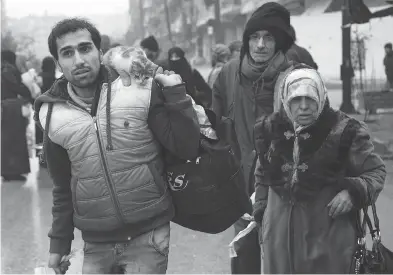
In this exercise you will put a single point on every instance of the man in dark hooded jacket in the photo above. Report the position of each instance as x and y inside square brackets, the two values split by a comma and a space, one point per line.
[244, 91]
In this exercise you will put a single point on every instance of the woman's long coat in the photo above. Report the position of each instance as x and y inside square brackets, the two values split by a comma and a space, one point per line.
[336, 153]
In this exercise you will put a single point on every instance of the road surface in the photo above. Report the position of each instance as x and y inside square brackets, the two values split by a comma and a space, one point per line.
[26, 219]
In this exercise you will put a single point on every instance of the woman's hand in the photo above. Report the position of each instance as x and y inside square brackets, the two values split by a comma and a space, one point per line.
[340, 204]
[167, 78]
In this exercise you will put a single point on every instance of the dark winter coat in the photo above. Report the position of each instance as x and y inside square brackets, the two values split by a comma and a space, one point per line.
[237, 97]
[14, 94]
[336, 153]
[11, 84]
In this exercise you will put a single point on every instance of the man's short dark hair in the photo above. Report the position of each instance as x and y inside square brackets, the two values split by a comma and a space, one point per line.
[68, 26]
[388, 46]
[150, 43]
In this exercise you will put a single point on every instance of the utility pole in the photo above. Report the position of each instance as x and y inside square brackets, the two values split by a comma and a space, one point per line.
[347, 72]
[217, 24]
[142, 17]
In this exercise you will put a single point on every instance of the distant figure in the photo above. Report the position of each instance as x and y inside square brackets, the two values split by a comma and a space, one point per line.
[196, 85]
[300, 54]
[14, 120]
[221, 55]
[105, 43]
[235, 48]
[48, 75]
[388, 63]
[153, 51]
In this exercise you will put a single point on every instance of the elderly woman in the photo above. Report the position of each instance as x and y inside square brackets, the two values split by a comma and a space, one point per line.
[221, 55]
[316, 168]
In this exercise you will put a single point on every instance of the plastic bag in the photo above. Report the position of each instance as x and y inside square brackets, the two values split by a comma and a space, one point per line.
[203, 120]
[244, 232]
[64, 261]
[240, 235]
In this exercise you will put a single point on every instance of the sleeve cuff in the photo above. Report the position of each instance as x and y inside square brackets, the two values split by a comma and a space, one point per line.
[175, 93]
[60, 246]
[179, 105]
[356, 191]
[258, 211]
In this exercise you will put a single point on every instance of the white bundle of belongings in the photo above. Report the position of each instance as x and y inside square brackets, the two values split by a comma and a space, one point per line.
[32, 81]
[244, 232]
[204, 123]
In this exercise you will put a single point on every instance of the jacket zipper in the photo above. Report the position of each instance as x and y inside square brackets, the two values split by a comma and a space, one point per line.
[104, 164]
[106, 173]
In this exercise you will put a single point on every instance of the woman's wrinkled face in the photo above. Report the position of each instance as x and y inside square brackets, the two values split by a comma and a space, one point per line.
[304, 110]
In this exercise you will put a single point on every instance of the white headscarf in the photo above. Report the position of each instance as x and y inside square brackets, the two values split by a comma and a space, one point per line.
[303, 82]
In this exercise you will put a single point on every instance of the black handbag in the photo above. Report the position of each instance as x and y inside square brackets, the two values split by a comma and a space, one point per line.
[378, 260]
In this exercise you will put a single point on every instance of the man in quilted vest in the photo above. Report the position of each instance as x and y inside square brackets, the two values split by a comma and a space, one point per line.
[104, 141]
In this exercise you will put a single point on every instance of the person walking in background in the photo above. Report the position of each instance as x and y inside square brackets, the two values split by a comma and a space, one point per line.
[196, 85]
[388, 63]
[299, 54]
[105, 43]
[221, 55]
[235, 48]
[103, 143]
[15, 98]
[317, 167]
[48, 77]
[244, 91]
[153, 51]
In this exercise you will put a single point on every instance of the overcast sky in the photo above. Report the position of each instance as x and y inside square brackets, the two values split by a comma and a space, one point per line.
[20, 8]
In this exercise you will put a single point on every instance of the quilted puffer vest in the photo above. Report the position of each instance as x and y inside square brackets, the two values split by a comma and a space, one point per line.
[114, 186]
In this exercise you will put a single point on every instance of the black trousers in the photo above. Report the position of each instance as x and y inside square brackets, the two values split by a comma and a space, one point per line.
[248, 260]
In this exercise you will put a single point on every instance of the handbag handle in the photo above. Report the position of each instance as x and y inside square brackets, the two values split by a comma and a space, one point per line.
[361, 226]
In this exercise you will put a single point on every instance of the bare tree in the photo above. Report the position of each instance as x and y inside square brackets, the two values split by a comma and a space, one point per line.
[142, 17]
[168, 21]
[8, 42]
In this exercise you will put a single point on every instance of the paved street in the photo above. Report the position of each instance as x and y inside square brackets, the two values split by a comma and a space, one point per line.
[26, 219]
